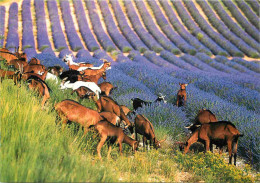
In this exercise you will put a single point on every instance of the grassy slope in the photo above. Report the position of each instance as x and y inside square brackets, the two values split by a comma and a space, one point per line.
[33, 148]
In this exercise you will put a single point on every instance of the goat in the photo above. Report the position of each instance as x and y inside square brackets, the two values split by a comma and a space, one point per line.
[139, 102]
[91, 85]
[106, 88]
[125, 109]
[17, 63]
[56, 70]
[105, 130]
[50, 76]
[73, 65]
[203, 116]
[111, 117]
[144, 127]
[181, 95]
[8, 56]
[84, 92]
[221, 133]
[38, 85]
[105, 103]
[34, 61]
[15, 75]
[69, 110]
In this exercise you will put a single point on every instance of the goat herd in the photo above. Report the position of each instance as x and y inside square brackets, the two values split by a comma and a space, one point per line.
[110, 119]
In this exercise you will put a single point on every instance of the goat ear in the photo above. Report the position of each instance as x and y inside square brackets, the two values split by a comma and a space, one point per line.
[65, 79]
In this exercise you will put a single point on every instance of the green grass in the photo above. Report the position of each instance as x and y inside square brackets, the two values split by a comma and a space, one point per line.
[35, 149]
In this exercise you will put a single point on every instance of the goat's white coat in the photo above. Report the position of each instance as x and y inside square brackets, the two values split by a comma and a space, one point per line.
[90, 85]
[51, 76]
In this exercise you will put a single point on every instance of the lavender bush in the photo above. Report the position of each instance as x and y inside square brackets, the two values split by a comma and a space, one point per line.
[83, 53]
[42, 35]
[255, 6]
[177, 61]
[57, 33]
[195, 30]
[140, 30]
[129, 34]
[251, 16]
[12, 40]
[70, 30]
[50, 60]
[101, 54]
[242, 20]
[154, 30]
[117, 37]
[250, 65]
[171, 34]
[85, 31]
[2, 25]
[218, 38]
[179, 27]
[233, 25]
[102, 37]
[28, 37]
[223, 29]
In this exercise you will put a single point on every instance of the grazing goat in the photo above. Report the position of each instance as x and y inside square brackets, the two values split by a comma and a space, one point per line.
[111, 117]
[15, 75]
[84, 92]
[8, 56]
[91, 85]
[139, 102]
[181, 95]
[69, 110]
[220, 133]
[116, 134]
[56, 70]
[38, 85]
[106, 88]
[144, 127]
[105, 103]
[203, 116]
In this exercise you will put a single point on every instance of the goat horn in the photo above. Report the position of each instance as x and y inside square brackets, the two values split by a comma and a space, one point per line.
[197, 125]
[188, 127]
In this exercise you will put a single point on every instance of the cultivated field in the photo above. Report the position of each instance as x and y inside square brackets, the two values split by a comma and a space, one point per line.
[153, 46]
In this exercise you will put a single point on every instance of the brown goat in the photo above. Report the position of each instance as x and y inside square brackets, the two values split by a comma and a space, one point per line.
[181, 95]
[111, 117]
[40, 87]
[15, 75]
[17, 63]
[84, 92]
[92, 78]
[69, 110]
[221, 133]
[56, 70]
[144, 127]
[125, 109]
[106, 129]
[106, 88]
[203, 116]
[34, 61]
[105, 103]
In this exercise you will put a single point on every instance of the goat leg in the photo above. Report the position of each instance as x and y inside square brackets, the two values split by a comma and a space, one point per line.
[109, 151]
[100, 144]
[229, 144]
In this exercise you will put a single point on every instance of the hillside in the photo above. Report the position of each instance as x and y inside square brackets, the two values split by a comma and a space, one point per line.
[153, 46]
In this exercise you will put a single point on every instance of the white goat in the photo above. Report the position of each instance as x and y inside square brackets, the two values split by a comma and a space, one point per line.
[50, 76]
[90, 85]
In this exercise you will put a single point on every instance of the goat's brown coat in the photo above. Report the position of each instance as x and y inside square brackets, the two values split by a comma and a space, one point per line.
[106, 129]
[220, 133]
[70, 110]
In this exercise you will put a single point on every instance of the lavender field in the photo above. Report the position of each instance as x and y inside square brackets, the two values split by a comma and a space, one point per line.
[153, 45]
